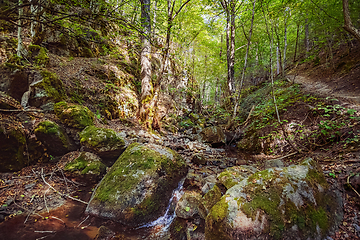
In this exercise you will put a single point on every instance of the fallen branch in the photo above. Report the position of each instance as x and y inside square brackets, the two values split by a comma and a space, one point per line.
[348, 182]
[289, 155]
[63, 195]
[21, 110]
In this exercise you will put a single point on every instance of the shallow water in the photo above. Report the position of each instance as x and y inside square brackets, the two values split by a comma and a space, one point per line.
[69, 222]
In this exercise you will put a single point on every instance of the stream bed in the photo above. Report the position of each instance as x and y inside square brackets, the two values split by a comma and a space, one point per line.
[69, 222]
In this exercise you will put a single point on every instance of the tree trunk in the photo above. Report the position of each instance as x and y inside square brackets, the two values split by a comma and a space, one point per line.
[20, 47]
[245, 65]
[232, 48]
[348, 24]
[146, 88]
[285, 45]
[296, 42]
[307, 41]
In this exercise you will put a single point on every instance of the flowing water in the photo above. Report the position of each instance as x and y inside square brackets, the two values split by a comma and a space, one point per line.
[69, 222]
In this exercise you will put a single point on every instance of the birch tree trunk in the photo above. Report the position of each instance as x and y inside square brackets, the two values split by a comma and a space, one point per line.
[20, 46]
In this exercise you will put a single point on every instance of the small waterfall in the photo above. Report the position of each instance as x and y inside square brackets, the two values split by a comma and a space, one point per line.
[161, 225]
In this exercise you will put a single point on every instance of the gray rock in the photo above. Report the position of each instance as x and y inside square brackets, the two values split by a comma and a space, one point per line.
[294, 202]
[274, 163]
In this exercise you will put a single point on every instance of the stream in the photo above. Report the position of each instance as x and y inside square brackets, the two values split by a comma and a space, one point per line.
[69, 222]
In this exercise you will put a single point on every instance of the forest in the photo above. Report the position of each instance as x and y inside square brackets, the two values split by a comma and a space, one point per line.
[179, 119]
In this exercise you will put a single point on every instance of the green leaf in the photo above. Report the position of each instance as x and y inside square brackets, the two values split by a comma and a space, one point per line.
[187, 209]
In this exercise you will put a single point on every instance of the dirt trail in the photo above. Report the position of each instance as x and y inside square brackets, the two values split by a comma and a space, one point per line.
[349, 96]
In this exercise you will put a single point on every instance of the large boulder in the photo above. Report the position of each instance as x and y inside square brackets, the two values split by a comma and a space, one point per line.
[54, 138]
[278, 203]
[138, 186]
[74, 115]
[13, 144]
[213, 135]
[105, 143]
[45, 90]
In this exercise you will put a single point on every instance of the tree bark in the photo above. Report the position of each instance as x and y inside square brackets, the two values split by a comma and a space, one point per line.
[146, 87]
[245, 65]
[296, 42]
[285, 45]
[348, 24]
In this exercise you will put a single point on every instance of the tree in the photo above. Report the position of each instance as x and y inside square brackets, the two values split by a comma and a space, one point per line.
[146, 88]
[348, 23]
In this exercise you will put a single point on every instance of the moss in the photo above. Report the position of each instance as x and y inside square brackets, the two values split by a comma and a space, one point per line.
[85, 166]
[87, 53]
[137, 165]
[39, 54]
[74, 115]
[215, 220]
[51, 128]
[315, 176]
[52, 85]
[211, 197]
[266, 175]
[100, 137]
[227, 179]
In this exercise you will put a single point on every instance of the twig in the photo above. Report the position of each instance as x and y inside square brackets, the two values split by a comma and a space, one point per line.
[289, 155]
[6, 186]
[66, 195]
[21, 110]
[352, 186]
[57, 219]
[44, 231]
[45, 199]
[42, 237]
[83, 221]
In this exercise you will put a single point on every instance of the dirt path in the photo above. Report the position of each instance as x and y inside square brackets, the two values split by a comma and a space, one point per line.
[348, 95]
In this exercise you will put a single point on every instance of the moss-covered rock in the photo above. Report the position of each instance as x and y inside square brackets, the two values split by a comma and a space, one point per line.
[105, 143]
[38, 55]
[54, 138]
[213, 135]
[250, 143]
[13, 145]
[138, 186]
[233, 175]
[46, 88]
[74, 115]
[87, 164]
[289, 203]
[190, 205]
[211, 198]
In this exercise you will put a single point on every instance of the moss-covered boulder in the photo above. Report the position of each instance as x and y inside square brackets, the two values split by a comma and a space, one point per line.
[87, 164]
[13, 145]
[190, 205]
[105, 143]
[46, 90]
[233, 175]
[211, 198]
[289, 203]
[74, 115]
[139, 185]
[54, 138]
[213, 135]
[250, 143]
